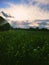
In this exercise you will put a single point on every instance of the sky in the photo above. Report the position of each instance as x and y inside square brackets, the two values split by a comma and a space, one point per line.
[23, 13]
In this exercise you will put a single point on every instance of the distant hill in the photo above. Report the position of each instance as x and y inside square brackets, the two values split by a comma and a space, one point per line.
[4, 25]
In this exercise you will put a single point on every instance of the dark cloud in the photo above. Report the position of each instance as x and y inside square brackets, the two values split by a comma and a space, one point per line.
[6, 15]
[42, 23]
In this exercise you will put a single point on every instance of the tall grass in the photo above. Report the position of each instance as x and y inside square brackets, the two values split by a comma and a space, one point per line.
[23, 47]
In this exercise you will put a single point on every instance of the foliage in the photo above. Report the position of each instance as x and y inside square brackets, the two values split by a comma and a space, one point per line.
[23, 47]
[1, 20]
[5, 27]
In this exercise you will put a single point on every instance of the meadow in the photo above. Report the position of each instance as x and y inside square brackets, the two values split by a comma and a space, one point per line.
[24, 47]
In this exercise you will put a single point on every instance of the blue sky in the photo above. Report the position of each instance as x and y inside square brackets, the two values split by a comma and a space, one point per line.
[18, 1]
[3, 3]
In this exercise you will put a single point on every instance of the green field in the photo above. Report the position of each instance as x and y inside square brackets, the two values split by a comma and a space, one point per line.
[24, 47]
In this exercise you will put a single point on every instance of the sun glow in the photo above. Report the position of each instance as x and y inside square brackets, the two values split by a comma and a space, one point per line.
[20, 13]
[25, 12]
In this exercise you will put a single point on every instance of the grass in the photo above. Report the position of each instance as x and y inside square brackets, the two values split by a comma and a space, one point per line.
[24, 47]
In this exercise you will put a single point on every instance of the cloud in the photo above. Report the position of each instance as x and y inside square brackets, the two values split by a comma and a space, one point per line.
[43, 1]
[26, 12]
[37, 1]
[22, 13]
[6, 15]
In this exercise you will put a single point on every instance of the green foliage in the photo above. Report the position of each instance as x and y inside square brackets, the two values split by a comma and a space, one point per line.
[1, 19]
[5, 27]
[23, 47]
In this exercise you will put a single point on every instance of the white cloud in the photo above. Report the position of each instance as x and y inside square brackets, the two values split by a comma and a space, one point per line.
[43, 1]
[24, 12]
[39, 1]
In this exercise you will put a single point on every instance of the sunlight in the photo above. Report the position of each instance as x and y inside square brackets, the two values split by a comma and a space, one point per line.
[20, 14]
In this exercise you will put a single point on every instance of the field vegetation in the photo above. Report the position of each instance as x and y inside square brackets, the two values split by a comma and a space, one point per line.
[24, 47]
